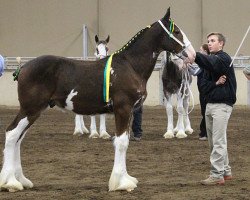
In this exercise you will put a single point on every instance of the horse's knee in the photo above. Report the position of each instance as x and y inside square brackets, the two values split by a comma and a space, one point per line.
[14, 134]
[121, 142]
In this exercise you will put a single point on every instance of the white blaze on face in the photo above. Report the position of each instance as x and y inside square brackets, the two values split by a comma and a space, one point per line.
[102, 53]
[189, 49]
[69, 103]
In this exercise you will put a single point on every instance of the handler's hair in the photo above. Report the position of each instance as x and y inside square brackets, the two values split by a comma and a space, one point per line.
[205, 48]
[220, 37]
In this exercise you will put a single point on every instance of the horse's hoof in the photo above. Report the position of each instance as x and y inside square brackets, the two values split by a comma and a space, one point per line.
[168, 135]
[12, 186]
[78, 132]
[181, 134]
[189, 130]
[122, 182]
[85, 130]
[94, 134]
[26, 182]
[104, 135]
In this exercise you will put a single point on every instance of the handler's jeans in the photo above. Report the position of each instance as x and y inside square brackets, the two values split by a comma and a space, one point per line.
[217, 116]
[203, 103]
[136, 125]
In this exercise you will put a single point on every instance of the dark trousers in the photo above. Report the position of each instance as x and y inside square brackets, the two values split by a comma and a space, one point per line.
[137, 120]
[203, 103]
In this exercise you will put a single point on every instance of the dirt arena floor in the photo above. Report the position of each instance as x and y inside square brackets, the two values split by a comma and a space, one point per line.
[63, 166]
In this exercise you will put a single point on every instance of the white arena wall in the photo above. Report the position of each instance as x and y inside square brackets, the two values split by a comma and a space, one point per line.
[8, 89]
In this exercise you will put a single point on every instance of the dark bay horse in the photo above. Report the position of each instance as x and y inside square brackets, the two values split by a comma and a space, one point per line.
[176, 81]
[78, 86]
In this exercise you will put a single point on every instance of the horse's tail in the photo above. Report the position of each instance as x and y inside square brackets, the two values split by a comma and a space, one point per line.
[17, 71]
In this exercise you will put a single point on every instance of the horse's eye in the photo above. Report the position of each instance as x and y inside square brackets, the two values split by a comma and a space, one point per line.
[177, 31]
[107, 48]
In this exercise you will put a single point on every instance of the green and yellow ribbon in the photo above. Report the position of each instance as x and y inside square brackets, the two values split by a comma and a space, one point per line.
[107, 79]
[171, 26]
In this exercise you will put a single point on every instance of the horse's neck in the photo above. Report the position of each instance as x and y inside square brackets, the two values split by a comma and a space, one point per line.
[142, 58]
[143, 65]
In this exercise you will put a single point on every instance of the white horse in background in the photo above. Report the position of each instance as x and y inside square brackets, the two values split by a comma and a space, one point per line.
[177, 81]
[80, 128]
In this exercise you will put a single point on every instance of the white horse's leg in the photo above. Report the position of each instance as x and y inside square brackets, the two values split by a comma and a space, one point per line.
[119, 179]
[80, 127]
[93, 131]
[8, 179]
[169, 111]
[187, 123]
[103, 133]
[19, 171]
[180, 123]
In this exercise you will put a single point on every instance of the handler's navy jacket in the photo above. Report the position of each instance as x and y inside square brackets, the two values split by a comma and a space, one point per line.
[216, 65]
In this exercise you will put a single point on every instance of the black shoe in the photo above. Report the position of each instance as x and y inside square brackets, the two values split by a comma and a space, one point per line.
[137, 139]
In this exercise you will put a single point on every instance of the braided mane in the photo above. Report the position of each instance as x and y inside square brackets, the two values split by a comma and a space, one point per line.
[132, 40]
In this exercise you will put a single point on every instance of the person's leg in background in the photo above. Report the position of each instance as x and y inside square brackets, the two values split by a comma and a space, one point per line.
[136, 125]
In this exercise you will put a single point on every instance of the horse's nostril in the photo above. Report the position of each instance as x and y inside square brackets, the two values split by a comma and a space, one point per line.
[184, 54]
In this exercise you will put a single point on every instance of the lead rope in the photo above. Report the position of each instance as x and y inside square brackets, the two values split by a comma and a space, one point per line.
[185, 87]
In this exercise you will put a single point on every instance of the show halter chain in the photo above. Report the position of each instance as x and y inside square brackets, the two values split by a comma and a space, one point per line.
[171, 31]
[107, 68]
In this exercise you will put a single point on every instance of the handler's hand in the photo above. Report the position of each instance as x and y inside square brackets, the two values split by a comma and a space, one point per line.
[221, 80]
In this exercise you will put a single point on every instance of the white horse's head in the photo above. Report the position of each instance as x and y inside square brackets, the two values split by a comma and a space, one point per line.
[101, 47]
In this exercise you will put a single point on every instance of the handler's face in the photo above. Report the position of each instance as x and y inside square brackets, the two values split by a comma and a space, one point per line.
[214, 44]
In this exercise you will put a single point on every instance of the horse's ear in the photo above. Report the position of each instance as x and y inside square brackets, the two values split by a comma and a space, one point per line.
[167, 15]
[107, 40]
[96, 39]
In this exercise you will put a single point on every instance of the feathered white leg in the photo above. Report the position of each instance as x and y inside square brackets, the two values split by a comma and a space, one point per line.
[169, 110]
[119, 179]
[103, 133]
[8, 179]
[180, 123]
[93, 131]
[80, 127]
[19, 171]
[187, 123]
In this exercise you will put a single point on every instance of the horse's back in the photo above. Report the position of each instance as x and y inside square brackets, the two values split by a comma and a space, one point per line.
[47, 79]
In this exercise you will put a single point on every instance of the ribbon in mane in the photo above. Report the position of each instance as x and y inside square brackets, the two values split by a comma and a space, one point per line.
[171, 26]
[107, 79]
[108, 66]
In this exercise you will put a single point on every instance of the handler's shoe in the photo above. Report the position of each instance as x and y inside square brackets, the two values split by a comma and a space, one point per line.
[203, 138]
[133, 138]
[228, 177]
[213, 181]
